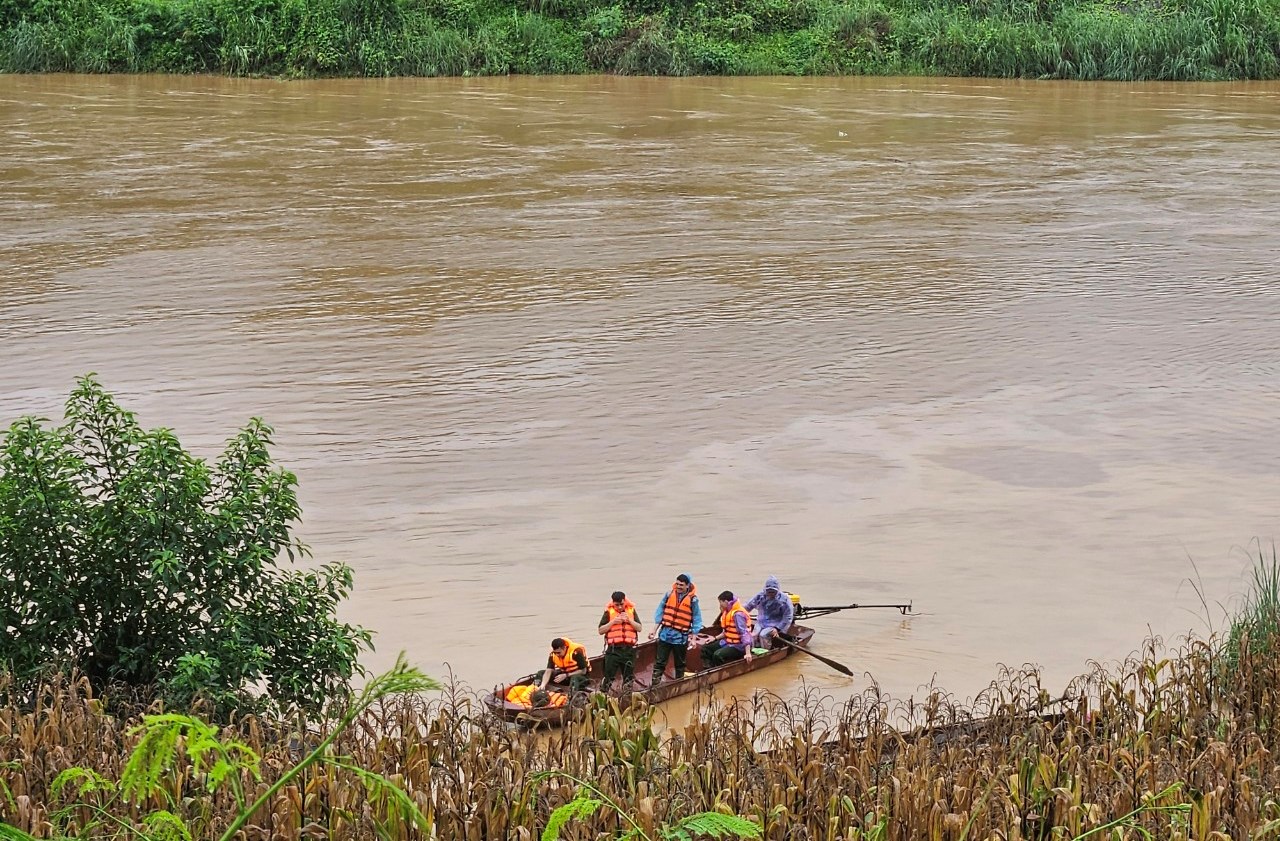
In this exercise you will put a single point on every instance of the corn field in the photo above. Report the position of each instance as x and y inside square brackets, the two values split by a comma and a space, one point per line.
[1167, 745]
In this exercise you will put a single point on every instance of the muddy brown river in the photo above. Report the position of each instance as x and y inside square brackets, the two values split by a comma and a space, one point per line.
[1006, 350]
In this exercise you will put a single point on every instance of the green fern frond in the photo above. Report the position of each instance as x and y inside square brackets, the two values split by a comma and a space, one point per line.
[717, 825]
[213, 755]
[581, 807]
[165, 826]
[234, 757]
[88, 781]
[155, 754]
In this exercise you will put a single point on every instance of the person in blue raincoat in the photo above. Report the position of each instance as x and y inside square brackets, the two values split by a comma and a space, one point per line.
[774, 612]
[677, 618]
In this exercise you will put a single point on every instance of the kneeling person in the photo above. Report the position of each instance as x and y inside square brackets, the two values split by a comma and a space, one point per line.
[734, 641]
[567, 664]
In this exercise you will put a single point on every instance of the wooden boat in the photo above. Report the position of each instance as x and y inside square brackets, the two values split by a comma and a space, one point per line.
[697, 677]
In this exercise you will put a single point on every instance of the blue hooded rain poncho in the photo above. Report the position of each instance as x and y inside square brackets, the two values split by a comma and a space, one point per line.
[773, 608]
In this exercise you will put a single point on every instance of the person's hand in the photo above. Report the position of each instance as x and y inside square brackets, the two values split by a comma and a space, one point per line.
[653, 633]
[747, 656]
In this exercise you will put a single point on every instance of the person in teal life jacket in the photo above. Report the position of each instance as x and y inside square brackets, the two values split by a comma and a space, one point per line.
[678, 616]
[734, 640]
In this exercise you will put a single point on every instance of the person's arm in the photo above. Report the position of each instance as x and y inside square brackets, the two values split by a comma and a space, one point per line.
[635, 623]
[697, 616]
[605, 622]
[657, 617]
[791, 613]
[580, 657]
[744, 631]
[754, 603]
[546, 673]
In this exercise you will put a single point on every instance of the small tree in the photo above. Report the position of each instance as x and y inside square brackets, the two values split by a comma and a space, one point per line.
[125, 556]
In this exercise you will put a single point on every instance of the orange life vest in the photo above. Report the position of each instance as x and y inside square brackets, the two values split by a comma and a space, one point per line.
[566, 663]
[624, 634]
[677, 613]
[730, 628]
[523, 695]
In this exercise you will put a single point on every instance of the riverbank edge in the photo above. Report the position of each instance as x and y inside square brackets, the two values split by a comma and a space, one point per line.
[1118, 40]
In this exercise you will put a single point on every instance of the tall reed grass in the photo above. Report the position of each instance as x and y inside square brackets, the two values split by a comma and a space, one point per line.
[1174, 744]
[1065, 39]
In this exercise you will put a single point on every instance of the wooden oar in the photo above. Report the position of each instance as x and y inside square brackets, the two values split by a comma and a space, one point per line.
[839, 667]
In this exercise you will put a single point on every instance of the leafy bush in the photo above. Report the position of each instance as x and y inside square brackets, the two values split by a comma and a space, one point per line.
[123, 555]
[699, 55]
[864, 23]
[453, 13]
[648, 51]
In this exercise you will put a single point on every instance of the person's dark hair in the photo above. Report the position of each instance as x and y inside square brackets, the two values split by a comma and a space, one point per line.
[619, 596]
[540, 698]
[558, 642]
[684, 578]
[726, 596]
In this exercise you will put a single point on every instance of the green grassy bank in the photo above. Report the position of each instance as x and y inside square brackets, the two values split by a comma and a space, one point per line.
[1063, 39]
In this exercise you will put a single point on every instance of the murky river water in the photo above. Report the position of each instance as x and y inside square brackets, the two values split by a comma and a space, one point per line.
[1007, 350]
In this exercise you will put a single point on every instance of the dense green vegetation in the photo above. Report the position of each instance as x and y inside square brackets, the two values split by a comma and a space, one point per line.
[1069, 39]
[132, 561]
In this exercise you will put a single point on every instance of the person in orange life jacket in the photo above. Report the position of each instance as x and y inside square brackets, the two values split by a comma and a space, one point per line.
[530, 696]
[620, 629]
[567, 663]
[678, 615]
[735, 640]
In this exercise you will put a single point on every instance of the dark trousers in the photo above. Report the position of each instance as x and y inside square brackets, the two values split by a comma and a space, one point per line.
[725, 653]
[619, 659]
[663, 652]
[577, 681]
